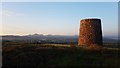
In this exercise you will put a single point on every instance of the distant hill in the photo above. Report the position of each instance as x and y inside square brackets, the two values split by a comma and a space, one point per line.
[50, 38]
[37, 36]
[40, 38]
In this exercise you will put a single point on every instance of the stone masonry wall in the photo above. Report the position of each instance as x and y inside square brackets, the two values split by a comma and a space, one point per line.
[90, 32]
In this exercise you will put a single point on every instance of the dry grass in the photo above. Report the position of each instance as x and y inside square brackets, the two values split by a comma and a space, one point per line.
[52, 55]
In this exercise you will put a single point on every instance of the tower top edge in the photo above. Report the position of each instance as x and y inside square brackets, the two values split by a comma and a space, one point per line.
[90, 19]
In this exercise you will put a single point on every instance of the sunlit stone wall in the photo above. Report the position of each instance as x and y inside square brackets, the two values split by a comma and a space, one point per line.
[90, 32]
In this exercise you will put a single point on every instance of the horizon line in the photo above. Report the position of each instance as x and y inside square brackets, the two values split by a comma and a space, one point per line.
[50, 34]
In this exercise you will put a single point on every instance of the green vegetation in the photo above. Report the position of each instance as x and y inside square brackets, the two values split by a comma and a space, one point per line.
[36, 55]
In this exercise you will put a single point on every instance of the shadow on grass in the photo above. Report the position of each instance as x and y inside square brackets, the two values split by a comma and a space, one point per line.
[37, 56]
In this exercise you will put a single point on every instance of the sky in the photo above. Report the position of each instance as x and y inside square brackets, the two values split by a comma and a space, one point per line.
[57, 18]
[59, 0]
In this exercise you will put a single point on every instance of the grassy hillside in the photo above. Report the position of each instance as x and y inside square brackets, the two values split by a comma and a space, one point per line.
[37, 55]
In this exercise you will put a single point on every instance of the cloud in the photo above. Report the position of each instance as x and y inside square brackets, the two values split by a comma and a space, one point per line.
[19, 14]
[10, 13]
[5, 13]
